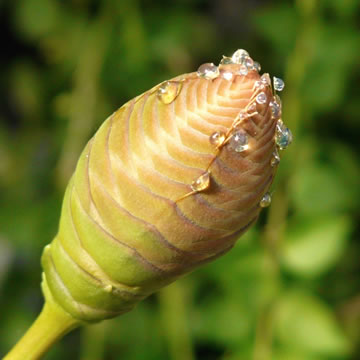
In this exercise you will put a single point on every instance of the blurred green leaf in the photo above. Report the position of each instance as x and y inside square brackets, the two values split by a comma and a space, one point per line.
[323, 186]
[6, 256]
[291, 354]
[335, 51]
[312, 247]
[304, 323]
[37, 18]
[345, 8]
[280, 34]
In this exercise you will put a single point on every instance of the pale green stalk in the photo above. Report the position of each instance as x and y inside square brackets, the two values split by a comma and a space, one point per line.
[173, 302]
[50, 326]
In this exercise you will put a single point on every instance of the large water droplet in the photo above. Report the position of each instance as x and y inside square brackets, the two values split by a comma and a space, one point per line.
[239, 141]
[217, 138]
[168, 91]
[208, 71]
[239, 56]
[278, 84]
[261, 98]
[201, 183]
[275, 160]
[283, 135]
[266, 200]
[249, 62]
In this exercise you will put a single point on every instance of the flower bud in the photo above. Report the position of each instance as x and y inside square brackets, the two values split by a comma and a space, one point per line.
[169, 182]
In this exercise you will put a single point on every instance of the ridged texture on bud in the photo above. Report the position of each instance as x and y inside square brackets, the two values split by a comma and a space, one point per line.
[132, 219]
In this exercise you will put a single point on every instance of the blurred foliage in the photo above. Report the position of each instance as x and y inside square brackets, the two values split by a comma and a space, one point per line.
[290, 289]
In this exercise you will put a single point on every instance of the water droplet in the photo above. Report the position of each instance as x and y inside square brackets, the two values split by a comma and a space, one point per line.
[275, 109]
[251, 108]
[239, 56]
[226, 60]
[275, 160]
[242, 115]
[249, 63]
[266, 200]
[217, 138]
[278, 84]
[208, 71]
[227, 75]
[108, 288]
[201, 183]
[278, 99]
[261, 98]
[168, 91]
[257, 85]
[239, 141]
[243, 70]
[257, 66]
[265, 79]
[283, 135]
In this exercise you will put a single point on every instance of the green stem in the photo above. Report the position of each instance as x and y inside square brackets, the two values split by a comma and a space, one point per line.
[173, 302]
[51, 325]
[93, 341]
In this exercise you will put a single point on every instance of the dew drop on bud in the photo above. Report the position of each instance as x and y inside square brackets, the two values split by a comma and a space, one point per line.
[278, 84]
[239, 141]
[201, 183]
[168, 91]
[257, 66]
[278, 99]
[258, 85]
[275, 109]
[239, 56]
[261, 98]
[208, 71]
[217, 138]
[249, 63]
[252, 107]
[243, 70]
[275, 160]
[226, 60]
[265, 79]
[283, 135]
[266, 200]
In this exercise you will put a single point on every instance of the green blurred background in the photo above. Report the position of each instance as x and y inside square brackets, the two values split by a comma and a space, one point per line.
[290, 290]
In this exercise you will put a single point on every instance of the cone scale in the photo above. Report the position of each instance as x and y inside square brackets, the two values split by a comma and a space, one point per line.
[169, 182]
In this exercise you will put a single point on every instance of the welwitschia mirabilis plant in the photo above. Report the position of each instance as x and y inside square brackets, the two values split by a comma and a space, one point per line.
[169, 182]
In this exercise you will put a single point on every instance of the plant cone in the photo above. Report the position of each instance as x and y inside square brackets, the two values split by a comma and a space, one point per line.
[132, 219]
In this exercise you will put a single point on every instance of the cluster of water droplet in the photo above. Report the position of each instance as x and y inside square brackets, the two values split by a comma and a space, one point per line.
[237, 139]
[240, 57]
